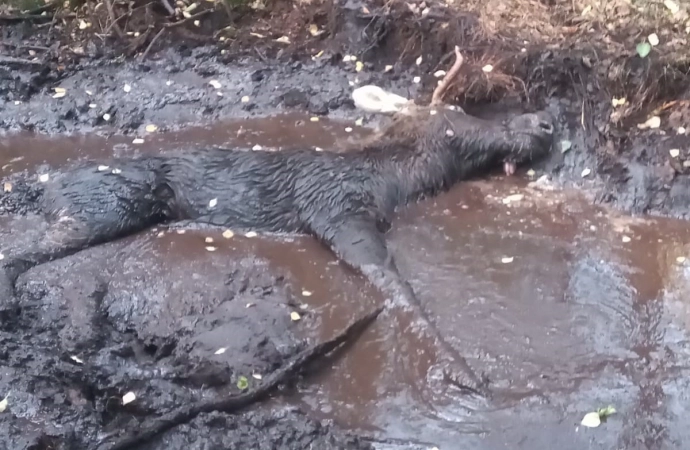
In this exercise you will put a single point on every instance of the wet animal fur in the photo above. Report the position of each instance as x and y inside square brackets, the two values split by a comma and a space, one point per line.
[346, 200]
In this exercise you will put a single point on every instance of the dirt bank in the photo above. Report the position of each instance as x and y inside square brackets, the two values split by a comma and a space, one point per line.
[150, 314]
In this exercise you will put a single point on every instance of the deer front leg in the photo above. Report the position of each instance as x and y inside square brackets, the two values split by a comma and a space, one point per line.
[357, 241]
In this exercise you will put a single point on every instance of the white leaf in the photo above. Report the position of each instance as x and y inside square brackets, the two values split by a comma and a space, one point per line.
[129, 397]
[653, 39]
[513, 198]
[591, 420]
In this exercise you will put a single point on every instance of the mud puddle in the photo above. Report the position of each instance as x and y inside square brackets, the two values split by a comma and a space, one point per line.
[566, 307]
[25, 151]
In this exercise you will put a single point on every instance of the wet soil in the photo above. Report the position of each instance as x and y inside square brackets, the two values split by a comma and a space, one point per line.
[566, 304]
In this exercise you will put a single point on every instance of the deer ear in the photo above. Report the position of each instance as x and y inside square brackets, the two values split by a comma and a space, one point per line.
[373, 99]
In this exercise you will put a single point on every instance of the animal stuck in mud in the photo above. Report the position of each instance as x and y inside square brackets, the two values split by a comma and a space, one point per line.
[347, 200]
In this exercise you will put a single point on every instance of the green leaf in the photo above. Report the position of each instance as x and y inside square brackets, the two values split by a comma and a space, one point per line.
[242, 383]
[605, 412]
[565, 146]
[643, 49]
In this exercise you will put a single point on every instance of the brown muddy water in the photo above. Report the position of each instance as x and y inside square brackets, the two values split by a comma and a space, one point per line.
[566, 307]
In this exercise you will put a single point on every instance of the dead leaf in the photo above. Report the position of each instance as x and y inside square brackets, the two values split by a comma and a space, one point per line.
[129, 397]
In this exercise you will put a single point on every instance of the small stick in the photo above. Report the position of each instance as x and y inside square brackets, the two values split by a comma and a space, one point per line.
[153, 41]
[234, 403]
[436, 97]
[169, 8]
[113, 19]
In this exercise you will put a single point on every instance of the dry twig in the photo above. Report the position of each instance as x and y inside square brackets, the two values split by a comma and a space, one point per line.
[437, 96]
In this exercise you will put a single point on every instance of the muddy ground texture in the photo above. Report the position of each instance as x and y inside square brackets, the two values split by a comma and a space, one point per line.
[72, 347]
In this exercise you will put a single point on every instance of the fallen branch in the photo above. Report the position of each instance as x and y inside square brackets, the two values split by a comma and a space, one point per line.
[437, 96]
[22, 46]
[234, 403]
[10, 61]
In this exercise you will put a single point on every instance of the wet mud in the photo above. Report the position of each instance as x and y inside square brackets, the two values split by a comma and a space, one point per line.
[567, 307]
[554, 283]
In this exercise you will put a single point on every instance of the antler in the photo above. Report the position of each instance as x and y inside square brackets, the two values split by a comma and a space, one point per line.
[436, 97]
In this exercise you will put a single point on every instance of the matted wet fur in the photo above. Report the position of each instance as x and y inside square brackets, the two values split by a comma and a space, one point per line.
[346, 200]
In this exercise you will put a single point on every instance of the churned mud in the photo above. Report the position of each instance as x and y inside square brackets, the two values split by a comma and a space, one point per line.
[553, 283]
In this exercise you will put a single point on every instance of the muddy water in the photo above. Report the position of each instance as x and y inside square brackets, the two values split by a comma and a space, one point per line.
[25, 150]
[565, 307]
